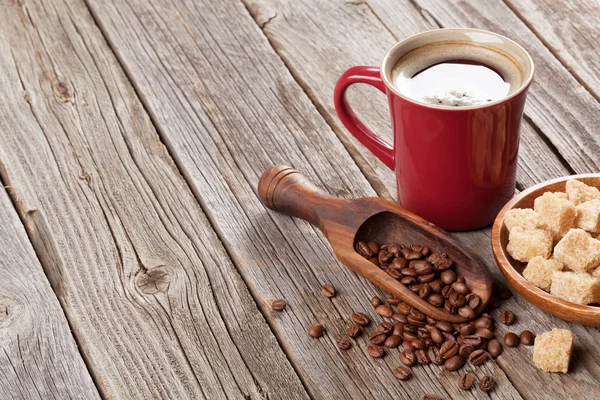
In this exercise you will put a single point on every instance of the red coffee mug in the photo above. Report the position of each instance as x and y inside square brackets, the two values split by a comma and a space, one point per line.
[455, 166]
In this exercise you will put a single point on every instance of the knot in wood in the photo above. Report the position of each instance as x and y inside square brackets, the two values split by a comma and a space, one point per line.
[9, 310]
[154, 280]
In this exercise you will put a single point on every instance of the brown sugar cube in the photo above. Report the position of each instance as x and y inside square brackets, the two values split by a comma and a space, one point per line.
[578, 251]
[579, 192]
[588, 216]
[524, 244]
[556, 213]
[539, 271]
[576, 287]
[552, 350]
[523, 217]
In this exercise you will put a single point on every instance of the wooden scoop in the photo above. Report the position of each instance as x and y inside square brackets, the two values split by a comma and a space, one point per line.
[346, 222]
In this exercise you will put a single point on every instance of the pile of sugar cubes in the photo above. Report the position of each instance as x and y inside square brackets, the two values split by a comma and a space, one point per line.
[558, 239]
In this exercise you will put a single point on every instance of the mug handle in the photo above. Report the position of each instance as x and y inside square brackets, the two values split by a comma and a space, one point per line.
[371, 76]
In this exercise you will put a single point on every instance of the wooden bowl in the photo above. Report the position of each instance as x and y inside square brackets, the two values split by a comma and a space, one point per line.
[512, 269]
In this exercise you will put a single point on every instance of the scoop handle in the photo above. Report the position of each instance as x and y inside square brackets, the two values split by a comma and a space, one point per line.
[285, 190]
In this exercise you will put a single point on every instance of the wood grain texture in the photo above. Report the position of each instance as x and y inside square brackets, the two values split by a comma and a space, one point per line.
[303, 32]
[38, 355]
[157, 307]
[570, 30]
[228, 108]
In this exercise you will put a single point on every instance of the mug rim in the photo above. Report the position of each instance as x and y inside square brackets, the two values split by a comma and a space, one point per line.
[388, 81]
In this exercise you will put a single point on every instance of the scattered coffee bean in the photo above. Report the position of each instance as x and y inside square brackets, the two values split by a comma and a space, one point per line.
[422, 357]
[473, 300]
[432, 397]
[424, 291]
[418, 344]
[527, 338]
[465, 350]
[328, 290]
[436, 285]
[466, 380]
[478, 357]
[436, 335]
[385, 327]
[444, 326]
[473, 340]
[343, 343]
[278, 305]
[407, 346]
[393, 301]
[466, 312]
[507, 317]
[375, 351]
[460, 287]
[377, 337]
[436, 300]
[376, 301]
[398, 329]
[384, 311]
[456, 299]
[449, 349]
[392, 341]
[316, 330]
[467, 330]
[454, 363]
[487, 384]
[494, 348]
[360, 319]
[434, 356]
[400, 318]
[511, 339]
[402, 373]
[408, 358]
[484, 333]
[483, 322]
[354, 331]
[448, 277]
[404, 308]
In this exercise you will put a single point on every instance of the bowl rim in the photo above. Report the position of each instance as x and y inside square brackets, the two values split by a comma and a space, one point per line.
[536, 296]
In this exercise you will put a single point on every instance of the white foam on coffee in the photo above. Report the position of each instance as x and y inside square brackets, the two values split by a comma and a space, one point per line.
[423, 57]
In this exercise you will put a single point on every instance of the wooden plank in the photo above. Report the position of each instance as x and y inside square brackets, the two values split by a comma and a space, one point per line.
[215, 88]
[38, 355]
[569, 29]
[358, 37]
[158, 309]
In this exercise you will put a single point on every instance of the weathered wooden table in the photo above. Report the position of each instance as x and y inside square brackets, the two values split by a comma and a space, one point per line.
[136, 260]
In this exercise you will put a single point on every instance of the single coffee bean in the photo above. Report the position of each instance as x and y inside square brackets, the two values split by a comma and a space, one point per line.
[395, 249]
[427, 278]
[376, 301]
[484, 333]
[399, 318]
[456, 299]
[449, 349]
[423, 334]
[436, 335]
[385, 257]
[384, 311]
[409, 272]
[466, 380]
[375, 351]
[413, 321]
[472, 340]
[404, 308]
[385, 327]
[278, 305]
[444, 326]
[467, 330]
[415, 288]
[377, 337]
[487, 384]
[460, 279]
[456, 328]
[416, 314]
[449, 307]
[364, 250]
[437, 257]
[373, 246]
[466, 312]
[511, 339]
[434, 356]
[454, 363]
[436, 299]
[316, 330]
[413, 255]
[402, 373]
[503, 293]
[411, 329]
[436, 285]
[473, 300]
[360, 319]
[408, 358]
[398, 329]
[400, 263]
[494, 348]
[422, 357]
[425, 291]
[422, 267]
[407, 346]
[483, 322]
[527, 338]
[447, 291]
[394, 273]
[478, 357]
[461, 288]
[418, 344]
[354, 331]
[392, 342]
[409, 336]
[408, 280]
[328, 290]
[465, 350]
[416, 247]
[343, 343]
[507, 317]
[432, 397]
[448, 276]
[393, 301]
